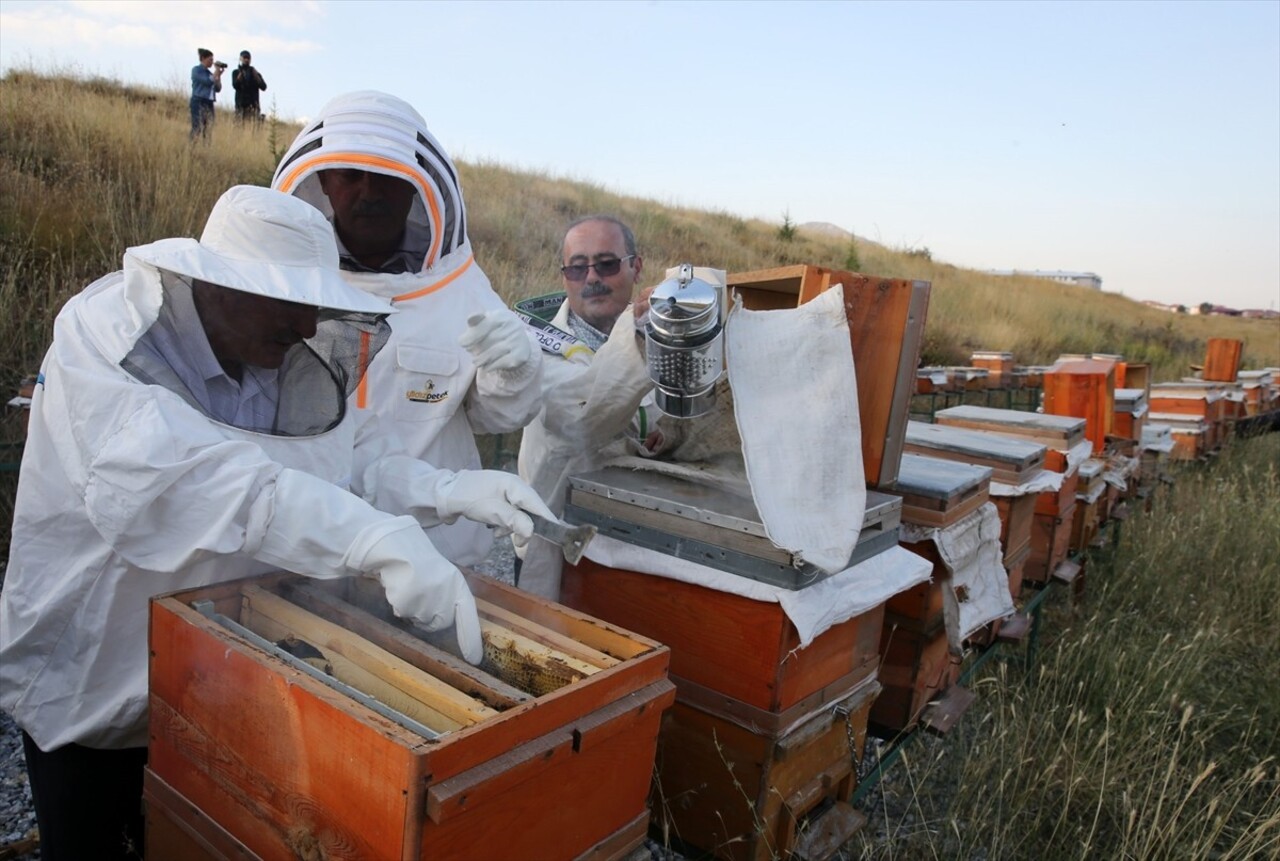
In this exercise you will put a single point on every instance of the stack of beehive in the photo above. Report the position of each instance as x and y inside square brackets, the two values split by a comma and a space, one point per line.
[1000, 368]
[916, 664]
[1194, 412]
[1049, 513]
[765, 733]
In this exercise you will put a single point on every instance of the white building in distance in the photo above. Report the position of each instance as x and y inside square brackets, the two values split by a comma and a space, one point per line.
[1079, 279]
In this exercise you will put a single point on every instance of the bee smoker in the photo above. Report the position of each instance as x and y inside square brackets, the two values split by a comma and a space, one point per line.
[684, 344]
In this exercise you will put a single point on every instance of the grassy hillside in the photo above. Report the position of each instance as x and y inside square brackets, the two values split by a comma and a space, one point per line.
[88, 168]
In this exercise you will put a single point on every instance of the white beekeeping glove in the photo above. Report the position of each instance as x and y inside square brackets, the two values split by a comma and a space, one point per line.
[497, 341]
[420, 583]
[310, 526]
[490, 496]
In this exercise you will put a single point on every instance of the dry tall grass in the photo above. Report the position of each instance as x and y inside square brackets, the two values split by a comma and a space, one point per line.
[1151, 729]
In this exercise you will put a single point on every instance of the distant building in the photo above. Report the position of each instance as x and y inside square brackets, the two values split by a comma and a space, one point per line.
[1079, 279]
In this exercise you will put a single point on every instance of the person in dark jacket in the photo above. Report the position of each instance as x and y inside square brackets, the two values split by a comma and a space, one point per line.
[247, 82]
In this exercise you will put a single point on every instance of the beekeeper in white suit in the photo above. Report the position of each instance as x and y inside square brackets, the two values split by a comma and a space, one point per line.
[191, 426]
[459, 362]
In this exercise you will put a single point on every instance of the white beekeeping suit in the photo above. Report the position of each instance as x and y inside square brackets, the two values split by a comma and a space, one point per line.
[136, 481]
[438, 393]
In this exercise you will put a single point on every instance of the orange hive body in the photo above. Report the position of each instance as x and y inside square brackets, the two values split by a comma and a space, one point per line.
[752, 707]
[1083, 389]
[252, 756]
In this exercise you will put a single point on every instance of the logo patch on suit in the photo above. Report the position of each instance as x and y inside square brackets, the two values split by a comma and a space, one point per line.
[428, 395]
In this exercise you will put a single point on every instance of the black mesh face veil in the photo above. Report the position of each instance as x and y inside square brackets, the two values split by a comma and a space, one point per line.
[306, 396]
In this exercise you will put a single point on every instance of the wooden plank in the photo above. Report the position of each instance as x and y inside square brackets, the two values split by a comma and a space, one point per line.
[384, 634]
[417, 683]
[263, 618]
[823, 837]
[941, 715]
[598, 634]
[1222, 359]
[538, 633]
[491, 779]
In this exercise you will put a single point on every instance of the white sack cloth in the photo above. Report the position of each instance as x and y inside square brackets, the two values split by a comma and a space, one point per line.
[811, 610]
[796, 405]
[1040, 482]
[1078, 454]
[977, 591]
[1118, 470]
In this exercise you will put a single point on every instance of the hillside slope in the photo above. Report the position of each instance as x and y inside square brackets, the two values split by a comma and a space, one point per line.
[90, 167]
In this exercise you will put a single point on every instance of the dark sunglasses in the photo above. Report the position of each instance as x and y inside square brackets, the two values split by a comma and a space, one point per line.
[605, 268]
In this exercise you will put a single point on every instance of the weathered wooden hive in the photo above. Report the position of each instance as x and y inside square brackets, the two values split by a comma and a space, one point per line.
[293, 718]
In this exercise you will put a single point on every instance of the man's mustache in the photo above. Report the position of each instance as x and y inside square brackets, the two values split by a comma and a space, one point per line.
[597, 289]
[371, 209]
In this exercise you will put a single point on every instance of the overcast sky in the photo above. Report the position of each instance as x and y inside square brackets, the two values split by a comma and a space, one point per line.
[1136, 140]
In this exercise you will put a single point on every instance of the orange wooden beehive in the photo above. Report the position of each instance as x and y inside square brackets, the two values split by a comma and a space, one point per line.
[744, 686]
[886, 325]
[253, 755]
[1083, 389]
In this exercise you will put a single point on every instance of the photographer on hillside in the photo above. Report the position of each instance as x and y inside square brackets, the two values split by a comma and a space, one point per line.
[206, 83]
[247, 82]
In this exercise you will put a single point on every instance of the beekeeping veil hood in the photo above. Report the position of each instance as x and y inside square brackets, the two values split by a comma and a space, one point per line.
[377, 132]
[261, 242]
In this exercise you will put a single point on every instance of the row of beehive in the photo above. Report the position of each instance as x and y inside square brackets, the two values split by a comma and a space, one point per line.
[756, 746]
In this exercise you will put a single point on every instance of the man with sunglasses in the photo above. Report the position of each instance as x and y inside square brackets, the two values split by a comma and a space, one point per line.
[597, 396]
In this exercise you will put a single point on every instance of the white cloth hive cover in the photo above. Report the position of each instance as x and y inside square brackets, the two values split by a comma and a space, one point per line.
[1039, 482]
[812, 610]
[1079, 453]
[796, 405]
[978, 588]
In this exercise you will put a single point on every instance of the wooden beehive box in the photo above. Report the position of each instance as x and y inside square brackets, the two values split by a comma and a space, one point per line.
[1130, 413]
[916, 666]
[1084, 388]
[744, 792]
[938, 492]
[999, 366]
[1058, 434]
[1010, 460]
[1222, 360]
[745, 650]
[299, 721]
[1050, 540]
[886, 326]
[1016, 514]
[1016, 567]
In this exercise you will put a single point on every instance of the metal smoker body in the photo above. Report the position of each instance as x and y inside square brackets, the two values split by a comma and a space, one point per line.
[684, 343]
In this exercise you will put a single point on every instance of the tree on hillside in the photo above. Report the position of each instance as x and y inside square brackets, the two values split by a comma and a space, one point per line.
[851, 260]
[787, 231]
[1206, 307]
